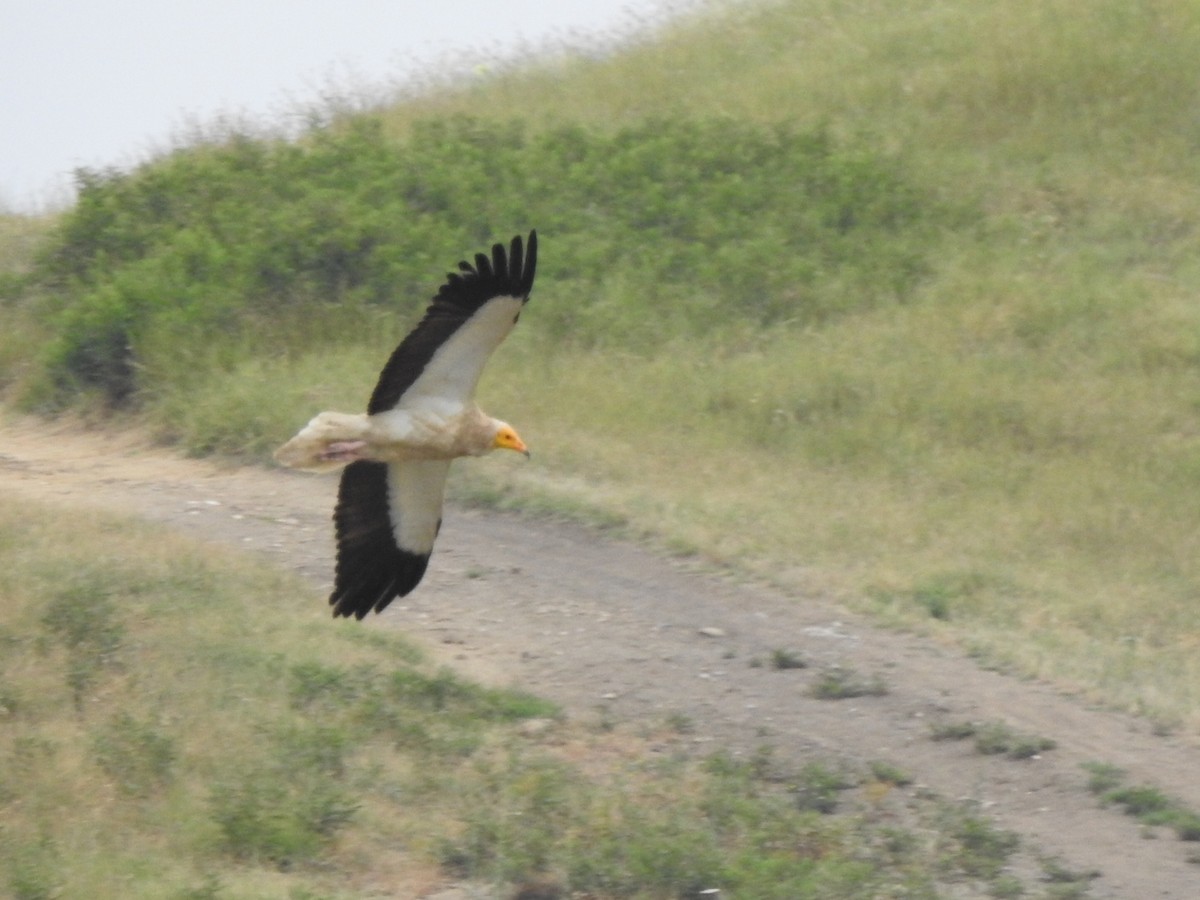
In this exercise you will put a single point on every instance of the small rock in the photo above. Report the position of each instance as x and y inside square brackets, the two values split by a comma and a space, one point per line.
[712, 632]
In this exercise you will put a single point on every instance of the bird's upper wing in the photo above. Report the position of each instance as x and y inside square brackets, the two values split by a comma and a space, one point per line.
[443, 357]
[387, 517]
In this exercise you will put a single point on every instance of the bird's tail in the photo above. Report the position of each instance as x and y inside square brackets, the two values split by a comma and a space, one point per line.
[326, 443]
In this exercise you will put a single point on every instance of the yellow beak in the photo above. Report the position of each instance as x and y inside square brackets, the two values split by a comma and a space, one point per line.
[507, 439]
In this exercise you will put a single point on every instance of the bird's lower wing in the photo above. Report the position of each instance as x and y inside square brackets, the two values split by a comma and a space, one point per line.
[387, 518]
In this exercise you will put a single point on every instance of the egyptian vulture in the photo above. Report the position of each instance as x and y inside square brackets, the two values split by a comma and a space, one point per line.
[421, 416]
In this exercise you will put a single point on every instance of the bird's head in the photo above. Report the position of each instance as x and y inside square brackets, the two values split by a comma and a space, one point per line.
[507, 439]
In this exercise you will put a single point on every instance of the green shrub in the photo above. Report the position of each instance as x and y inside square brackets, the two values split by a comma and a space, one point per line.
[154, 271]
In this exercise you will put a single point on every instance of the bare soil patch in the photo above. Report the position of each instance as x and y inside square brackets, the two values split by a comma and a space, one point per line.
[608, 627]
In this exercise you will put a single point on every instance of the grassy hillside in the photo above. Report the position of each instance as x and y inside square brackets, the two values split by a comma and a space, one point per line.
[178, 724]
[909, 288]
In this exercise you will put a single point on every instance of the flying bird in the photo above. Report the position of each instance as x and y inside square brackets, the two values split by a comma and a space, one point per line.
[421, 416]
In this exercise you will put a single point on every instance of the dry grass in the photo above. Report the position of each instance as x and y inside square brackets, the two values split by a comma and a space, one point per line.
[175, 724]
[1010, 457]
[196, 674]
[1030, 479]
[1051, 487]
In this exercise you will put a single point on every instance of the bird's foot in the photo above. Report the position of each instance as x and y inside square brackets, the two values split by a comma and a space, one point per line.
[343, 451]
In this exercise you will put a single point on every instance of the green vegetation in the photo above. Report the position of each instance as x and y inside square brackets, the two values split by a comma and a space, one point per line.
[912, 289]
[783, 658]
[836, 683]
[229, 741]
[997, 738]
[953, 731]
[993, 738]
[215, 240]
[886, 773]
[1064, 884]
[1146, 803]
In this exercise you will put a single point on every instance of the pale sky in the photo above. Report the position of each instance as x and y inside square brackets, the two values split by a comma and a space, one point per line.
[96, 83]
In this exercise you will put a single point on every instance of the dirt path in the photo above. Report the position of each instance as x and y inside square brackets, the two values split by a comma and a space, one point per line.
[595, 623]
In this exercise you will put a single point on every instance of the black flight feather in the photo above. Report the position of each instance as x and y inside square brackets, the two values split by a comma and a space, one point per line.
[506, 274]
[371, 569]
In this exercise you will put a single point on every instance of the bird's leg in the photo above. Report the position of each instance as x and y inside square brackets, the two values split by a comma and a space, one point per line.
[343, 451]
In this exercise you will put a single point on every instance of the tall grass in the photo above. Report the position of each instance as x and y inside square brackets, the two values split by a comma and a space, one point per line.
[892, 298]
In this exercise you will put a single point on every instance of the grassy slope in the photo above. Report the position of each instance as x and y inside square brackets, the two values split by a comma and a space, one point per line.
[1017, 451]
[1011, 455]
[179, 722]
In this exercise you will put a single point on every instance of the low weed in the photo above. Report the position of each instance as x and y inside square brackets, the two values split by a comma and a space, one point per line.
[783, 658]
[887, 773]
[997, 738]
[993, 738]
[1068, 883]
[837, 683]
[1103, 777]
[943, 596]
[953, 731]
[680, 723]
[1148, 804]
